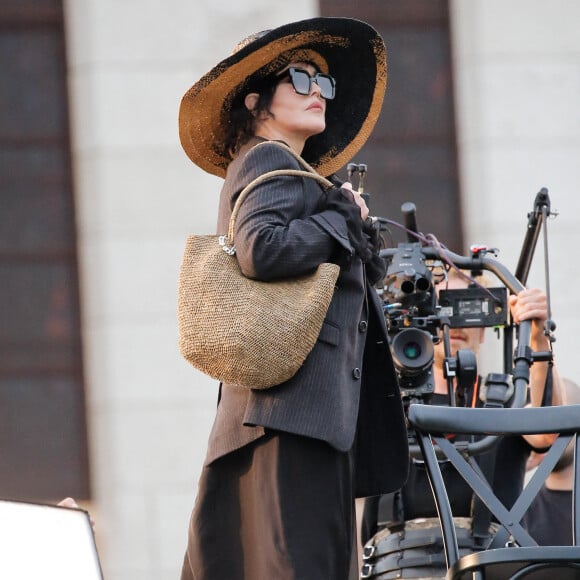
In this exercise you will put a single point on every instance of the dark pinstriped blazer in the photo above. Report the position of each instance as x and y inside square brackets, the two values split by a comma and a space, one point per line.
[348, 379]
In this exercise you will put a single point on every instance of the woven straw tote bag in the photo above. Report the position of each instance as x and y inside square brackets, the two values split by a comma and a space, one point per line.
[247, 332]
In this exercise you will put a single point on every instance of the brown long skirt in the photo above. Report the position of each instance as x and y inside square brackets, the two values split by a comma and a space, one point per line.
[280, 508]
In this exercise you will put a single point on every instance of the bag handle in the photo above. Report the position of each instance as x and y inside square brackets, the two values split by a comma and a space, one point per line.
[310, 173]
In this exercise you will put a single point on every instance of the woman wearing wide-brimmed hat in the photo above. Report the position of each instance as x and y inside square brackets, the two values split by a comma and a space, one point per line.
[283, 466]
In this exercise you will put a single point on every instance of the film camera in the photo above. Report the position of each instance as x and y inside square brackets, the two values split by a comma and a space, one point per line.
[420, 311]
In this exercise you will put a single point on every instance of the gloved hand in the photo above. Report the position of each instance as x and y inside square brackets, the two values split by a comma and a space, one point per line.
[342, 202]
[376, 267]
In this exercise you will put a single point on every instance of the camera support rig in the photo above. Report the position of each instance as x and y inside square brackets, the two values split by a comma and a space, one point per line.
[416, 315]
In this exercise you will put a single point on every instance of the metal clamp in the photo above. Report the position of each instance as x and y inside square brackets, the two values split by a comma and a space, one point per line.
[224, 243]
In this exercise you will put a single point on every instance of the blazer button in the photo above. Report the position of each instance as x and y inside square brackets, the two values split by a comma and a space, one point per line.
[362, 326]
[356, 374]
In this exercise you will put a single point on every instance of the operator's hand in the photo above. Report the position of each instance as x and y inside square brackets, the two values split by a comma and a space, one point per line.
[358, 199]
[531, 304]
[69, 502]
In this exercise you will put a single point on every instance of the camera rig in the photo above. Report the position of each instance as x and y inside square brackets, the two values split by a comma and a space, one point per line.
[420, 312]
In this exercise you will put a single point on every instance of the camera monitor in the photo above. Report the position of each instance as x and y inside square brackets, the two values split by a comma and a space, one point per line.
[474, 307]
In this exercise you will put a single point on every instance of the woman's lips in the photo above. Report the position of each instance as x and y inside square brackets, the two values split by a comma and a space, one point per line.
[315, 106]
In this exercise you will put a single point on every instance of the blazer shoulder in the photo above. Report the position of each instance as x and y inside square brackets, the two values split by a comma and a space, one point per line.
[268, 156]
[252, 162]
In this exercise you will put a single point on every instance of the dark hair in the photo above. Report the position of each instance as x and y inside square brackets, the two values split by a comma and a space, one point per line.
[240, 125]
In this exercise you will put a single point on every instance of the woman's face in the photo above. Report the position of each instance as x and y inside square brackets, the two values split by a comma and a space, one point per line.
[293, 116]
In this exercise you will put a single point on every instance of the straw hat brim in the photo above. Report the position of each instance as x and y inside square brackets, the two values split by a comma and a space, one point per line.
[351, 51]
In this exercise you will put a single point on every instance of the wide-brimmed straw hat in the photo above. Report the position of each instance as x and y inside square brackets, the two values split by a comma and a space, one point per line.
[350, 50]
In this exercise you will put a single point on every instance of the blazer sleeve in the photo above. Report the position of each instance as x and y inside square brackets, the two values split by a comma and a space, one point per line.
[282, 229]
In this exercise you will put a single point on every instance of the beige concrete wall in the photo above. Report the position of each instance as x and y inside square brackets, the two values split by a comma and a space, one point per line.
[517, 70]
[517, 66]
[138, 196]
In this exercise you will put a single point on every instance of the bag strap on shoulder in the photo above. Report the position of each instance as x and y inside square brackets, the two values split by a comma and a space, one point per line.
[309, 172]
[288, 149]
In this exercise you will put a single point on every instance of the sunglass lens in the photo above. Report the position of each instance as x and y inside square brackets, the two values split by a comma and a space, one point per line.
[300, 81]
[326, 84]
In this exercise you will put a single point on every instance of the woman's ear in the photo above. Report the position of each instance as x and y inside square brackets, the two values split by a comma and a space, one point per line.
[251, 101]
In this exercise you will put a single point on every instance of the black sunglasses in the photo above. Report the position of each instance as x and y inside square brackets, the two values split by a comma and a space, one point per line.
[302, 82]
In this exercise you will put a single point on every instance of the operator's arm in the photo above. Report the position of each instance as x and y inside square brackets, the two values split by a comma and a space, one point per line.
[532, 304]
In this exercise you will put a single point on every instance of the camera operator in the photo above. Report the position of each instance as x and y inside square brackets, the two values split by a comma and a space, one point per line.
[412, 507]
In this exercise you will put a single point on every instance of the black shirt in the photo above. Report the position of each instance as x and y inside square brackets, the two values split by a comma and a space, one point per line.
[549, 518]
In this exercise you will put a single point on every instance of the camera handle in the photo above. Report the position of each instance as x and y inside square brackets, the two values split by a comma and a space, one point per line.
[536, 219]
[361, 169]
[449, 370]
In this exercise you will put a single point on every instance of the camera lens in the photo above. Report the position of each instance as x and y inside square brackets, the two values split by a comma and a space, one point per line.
[412, 350]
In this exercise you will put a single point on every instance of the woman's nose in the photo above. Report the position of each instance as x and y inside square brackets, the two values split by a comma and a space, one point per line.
[314, 87]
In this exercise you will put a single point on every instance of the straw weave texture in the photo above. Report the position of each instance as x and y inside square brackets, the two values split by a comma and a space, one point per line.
[242, 331]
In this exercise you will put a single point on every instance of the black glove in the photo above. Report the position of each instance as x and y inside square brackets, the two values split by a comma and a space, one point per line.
[342, 202]
[364, 237]
[376, 267]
